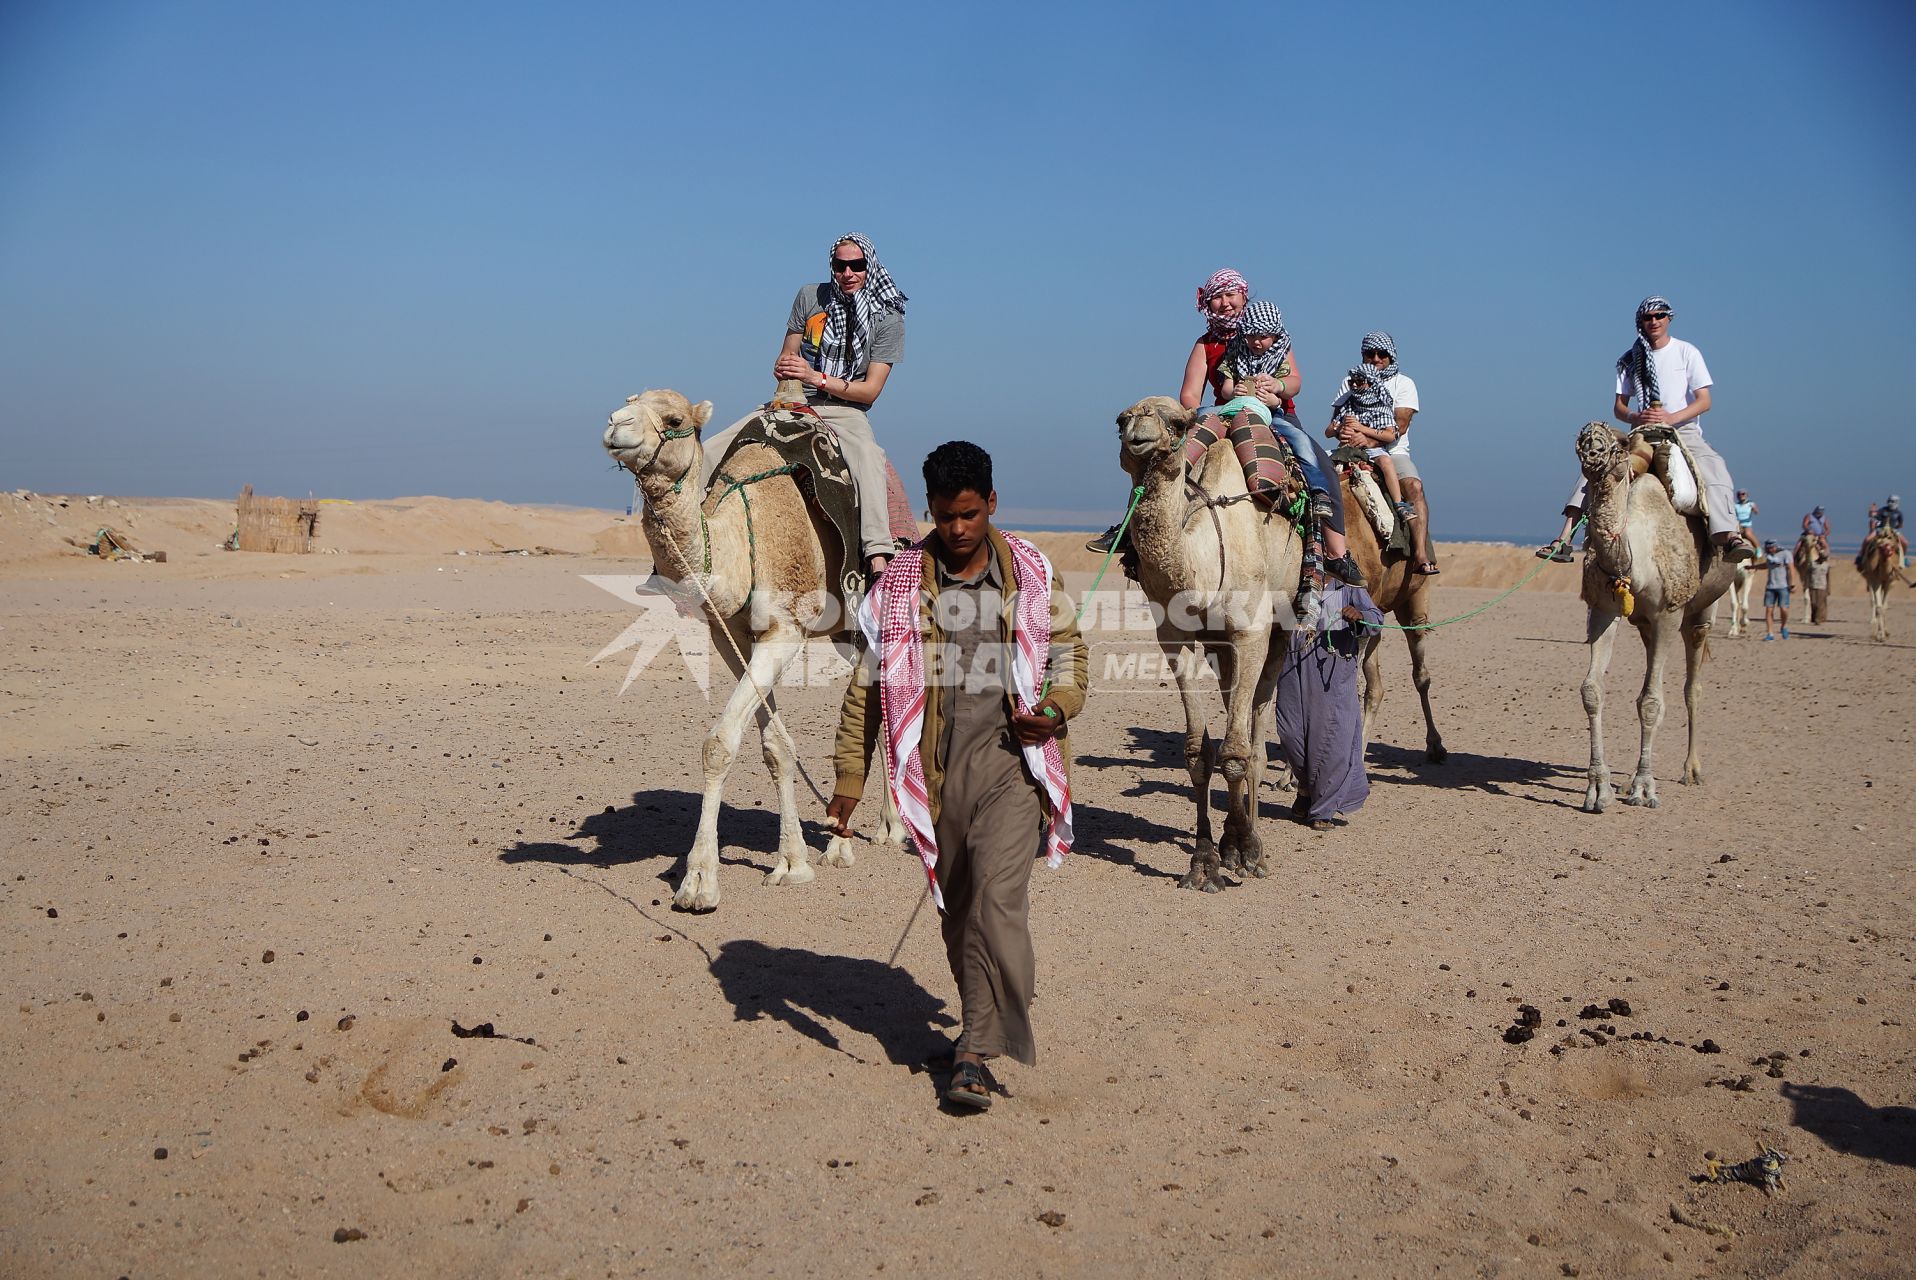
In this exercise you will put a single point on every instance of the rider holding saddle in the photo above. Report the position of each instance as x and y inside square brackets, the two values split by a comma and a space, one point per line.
[841, 341]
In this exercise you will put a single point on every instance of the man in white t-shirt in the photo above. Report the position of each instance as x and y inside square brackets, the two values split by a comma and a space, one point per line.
[1670, 384]
[1379, 351]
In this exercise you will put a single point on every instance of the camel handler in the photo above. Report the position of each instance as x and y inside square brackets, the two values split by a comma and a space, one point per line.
[841, 340]
[1667, 378]
[980, 669]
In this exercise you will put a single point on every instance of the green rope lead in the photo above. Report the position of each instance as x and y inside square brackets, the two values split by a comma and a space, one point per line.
[1431, 626]
[1137, 495]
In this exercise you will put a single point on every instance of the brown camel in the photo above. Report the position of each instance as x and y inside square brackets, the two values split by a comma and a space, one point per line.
[768, 576]
[1217, 570]
[1405, 596]
[1659, 570]
[1880, 563]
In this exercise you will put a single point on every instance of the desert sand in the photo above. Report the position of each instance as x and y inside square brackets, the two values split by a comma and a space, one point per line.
[281, 826]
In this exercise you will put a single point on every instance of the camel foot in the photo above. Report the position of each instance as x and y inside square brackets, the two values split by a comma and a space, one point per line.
[1435, 753]
[1692, 775]
[699, 890]
[838, 852]
[1641, 795]
[1212, 883]
[787, 871]
[1597, 798]
[1204, 870]
[892, 832]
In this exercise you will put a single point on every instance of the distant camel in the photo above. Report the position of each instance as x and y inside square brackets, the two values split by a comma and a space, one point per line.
[1739, 597]
[1660, 570]
[1880, 562]
[1405, 595]
[786, 575]
[1219, 570]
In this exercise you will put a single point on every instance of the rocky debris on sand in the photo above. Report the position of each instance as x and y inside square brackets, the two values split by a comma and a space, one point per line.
[345, 1235]
[1051, 1218]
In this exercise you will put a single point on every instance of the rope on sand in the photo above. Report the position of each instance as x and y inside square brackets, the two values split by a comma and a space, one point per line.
[1488, 604]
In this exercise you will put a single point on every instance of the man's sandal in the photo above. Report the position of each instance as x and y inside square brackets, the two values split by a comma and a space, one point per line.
[1428, 568]
[969, 1087]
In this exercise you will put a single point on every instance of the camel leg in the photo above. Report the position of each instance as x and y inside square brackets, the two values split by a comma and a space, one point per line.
[1197, 758]
[793, 864]
[838, 849]
[1230, 845]
[1696, 649]
[1252, 859]
[1602, 638]
[1419, 642]
[1373, 684]
[699, 890]
[1242, 746]
[1643, 785]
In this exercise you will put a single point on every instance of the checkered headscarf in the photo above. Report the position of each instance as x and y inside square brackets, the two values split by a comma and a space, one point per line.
[844, 349]
[1636, 363]
[1370, 404]
[1221, 282]
[1260, 319]
[1378, 340]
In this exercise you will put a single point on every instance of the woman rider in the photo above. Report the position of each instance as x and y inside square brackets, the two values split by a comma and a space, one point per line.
[841, 341]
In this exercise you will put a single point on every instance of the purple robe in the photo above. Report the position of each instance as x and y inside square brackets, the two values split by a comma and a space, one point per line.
[1320, 719]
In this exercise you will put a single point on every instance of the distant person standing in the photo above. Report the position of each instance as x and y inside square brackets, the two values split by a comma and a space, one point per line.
[1670, 384]
[1776, 591]
[1819, 585]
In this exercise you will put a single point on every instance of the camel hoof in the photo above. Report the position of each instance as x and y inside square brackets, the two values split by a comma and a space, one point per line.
[785, 871]
[893, 833]
[1692, 777]
[697, 892]
[838, 852]
[1436, 754]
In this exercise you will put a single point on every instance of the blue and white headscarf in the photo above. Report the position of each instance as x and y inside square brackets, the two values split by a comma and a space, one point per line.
[1260, 319]
[1378, 340]
[1636, 363]
[844, 348]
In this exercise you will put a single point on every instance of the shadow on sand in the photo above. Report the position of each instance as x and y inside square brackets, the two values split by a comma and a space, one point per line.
[1847, 1124]
[658, 824]
[1464, 769]
[806, 991]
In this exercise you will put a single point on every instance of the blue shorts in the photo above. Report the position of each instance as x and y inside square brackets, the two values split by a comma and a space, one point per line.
[1777, 597]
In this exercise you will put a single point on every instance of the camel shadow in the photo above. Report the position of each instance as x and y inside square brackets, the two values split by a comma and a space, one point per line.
[1113, 835]
[806, 991]
[1492, 774]
[657, 824]
[1845, 1123]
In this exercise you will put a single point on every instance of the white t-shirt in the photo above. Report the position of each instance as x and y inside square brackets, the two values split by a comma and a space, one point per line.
[1681, 373]
[1403, 395]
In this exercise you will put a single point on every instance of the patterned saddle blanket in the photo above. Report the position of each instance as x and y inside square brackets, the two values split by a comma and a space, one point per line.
[1393, 535]
[809, 451]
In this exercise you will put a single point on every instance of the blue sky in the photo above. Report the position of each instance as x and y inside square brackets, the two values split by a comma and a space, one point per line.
[368, 250]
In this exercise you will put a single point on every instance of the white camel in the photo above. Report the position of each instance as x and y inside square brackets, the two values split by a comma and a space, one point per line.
[764, 566]
[1739, 597]
[1658, 569]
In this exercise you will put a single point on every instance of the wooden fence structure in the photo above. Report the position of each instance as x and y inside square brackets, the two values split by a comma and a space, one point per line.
[284, 525]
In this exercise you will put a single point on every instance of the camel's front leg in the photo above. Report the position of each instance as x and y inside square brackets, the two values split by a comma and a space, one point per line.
[1373, 700]
[793, 864]
[1418, 638]
[1696, 650]
[699, 890]
[1249, 649]
[1251, 858]
[1187, 657]
[1601, 636]
[1643, 786]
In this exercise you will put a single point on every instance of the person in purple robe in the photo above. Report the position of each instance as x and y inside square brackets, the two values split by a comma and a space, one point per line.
[1320, 719]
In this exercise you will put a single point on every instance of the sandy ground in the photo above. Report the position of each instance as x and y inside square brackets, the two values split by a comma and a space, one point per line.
[277, 824]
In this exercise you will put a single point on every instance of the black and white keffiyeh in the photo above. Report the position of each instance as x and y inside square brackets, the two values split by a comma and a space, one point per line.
[844, 348]
[1260, 319]
[1366, 400]
[1636, 363]
[1378, 340]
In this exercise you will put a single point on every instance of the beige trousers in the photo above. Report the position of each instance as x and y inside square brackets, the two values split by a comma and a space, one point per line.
[862, 455]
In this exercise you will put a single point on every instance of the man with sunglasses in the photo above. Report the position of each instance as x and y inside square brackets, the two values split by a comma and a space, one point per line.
[841, 340]
[1379, 351]
[1670, 385]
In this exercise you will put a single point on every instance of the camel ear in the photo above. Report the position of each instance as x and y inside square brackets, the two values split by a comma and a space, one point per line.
[701, 414]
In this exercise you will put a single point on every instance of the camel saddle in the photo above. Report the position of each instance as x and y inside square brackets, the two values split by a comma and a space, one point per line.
[809, 451]
[1393, 535]
[1660, 450]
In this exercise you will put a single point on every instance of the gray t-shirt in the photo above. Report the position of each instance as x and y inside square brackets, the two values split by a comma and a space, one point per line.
[808, 321]
[1778, 564]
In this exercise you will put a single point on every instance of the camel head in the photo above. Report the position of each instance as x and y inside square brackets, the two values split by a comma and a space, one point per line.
[656, 433]
[1601, 452]
[1150, 430]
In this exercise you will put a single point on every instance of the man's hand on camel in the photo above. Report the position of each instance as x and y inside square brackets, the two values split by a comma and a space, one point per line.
[794, 367]
[839, 814]
[1654, 418]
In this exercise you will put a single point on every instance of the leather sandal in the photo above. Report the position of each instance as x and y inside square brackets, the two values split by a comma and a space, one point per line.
[970, 1087]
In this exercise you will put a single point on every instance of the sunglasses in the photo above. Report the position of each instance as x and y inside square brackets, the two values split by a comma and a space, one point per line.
[848, 264]
[1654, 315]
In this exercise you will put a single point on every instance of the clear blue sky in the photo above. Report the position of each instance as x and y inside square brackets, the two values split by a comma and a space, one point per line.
[370, 250]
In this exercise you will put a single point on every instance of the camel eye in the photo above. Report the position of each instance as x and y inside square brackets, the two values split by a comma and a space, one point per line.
[673, 419]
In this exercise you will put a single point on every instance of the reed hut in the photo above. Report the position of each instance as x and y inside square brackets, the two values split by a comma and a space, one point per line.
[284, 525]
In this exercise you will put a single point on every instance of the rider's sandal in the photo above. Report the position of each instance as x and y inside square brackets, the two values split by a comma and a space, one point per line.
[1428, 568]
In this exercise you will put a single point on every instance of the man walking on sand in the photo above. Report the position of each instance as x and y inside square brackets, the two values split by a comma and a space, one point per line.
[1819, 585]
[1776, 591]
[974, 690]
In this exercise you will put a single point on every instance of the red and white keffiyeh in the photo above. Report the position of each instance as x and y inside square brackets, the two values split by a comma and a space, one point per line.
[889, 619]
